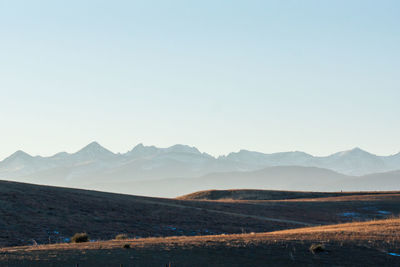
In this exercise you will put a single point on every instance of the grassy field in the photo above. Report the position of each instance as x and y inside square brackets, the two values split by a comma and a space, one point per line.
[351, 244]
[195, 232]
[253, 194]
[43, 214]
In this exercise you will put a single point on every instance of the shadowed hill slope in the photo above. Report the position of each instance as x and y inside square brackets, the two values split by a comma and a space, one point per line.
[43, 214]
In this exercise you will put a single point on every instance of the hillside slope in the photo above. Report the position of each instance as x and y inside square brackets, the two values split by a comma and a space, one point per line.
[252, 194]
[44, 214]
[352, 244]
[51, 214]
[33, 213]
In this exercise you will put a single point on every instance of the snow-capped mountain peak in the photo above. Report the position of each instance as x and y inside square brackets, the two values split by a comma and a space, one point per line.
[60, 155]
[355, 152]
[94, 150]
[183, 160]
[182, 149]
[18, 155]
[140, 151]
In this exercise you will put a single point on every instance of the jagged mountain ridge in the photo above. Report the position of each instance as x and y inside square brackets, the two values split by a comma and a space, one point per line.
[96, 163]
[351, 162]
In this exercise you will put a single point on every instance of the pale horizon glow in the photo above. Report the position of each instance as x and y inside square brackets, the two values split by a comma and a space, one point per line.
[268, 76]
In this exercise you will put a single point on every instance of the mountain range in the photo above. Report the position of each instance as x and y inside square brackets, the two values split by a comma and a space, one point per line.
[97, 167]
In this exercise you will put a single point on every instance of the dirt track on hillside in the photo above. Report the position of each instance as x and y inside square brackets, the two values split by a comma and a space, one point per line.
[226, 212]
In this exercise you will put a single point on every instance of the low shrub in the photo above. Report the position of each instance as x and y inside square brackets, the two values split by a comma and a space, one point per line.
[317, 248]
[121, 237]
[126, 246]
[80, 238]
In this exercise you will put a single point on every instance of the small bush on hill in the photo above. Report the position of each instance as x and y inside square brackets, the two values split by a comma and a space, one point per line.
[317, 248]
[121, 237]
[126, 246]
[80, 238]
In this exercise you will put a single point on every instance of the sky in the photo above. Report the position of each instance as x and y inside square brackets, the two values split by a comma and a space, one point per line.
[315, 76]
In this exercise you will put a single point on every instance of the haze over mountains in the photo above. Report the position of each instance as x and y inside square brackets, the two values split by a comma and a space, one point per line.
[180, 169]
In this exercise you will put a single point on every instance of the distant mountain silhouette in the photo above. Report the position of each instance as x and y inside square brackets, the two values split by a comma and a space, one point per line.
[351, 162]
[271, 178]
[94, 165]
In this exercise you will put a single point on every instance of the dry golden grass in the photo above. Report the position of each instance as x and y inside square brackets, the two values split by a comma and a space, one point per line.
[386, 196]
[274, 195]
[366, 197]
[380, 230]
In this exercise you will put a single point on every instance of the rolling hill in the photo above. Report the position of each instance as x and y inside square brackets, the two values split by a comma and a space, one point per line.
[43, 214]
[252, 194]
[33, 213]
[350, 244]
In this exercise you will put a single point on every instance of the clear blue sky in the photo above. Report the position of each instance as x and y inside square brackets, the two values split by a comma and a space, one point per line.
[317, 76]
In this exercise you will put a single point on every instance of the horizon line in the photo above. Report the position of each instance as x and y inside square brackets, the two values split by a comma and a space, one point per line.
[202, 152]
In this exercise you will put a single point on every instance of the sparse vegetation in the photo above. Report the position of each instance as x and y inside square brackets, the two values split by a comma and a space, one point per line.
[218, 217]
[80, 238]
[252, 194]
[351, 244]
[121, 237]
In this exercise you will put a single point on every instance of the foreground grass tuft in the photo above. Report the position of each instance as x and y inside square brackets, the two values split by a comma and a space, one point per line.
[80, 238]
